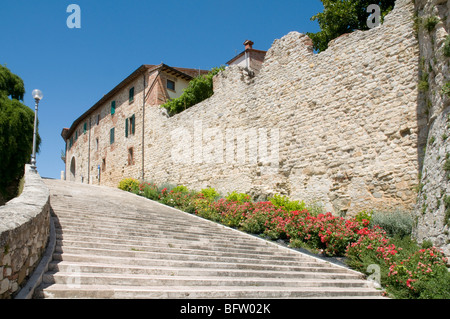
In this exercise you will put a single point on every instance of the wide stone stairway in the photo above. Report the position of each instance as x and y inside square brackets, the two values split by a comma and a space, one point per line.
[113, 244]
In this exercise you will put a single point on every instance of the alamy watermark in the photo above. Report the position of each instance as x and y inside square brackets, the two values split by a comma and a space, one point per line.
[74, 19]
[374, 18]
[213, 145]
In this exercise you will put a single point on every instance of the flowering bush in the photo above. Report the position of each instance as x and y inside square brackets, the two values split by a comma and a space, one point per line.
[129, 184]
[408, 278]
[255, 221]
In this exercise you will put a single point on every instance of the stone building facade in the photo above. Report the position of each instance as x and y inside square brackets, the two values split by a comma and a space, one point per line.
[340, 127]
[105, 143]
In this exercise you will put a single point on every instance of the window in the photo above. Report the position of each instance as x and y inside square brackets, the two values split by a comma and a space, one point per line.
[96, 144]
[130, 125]
[131, 95]
[130, 156]
[85, 127]
[111, 136]
[76, 135]
[103, 164]
[171, 85]
[113, 107]
[98, 119]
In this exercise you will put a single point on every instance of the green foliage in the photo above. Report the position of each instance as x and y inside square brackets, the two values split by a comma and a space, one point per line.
[344, 16]
[430, 23]
[447, 210]
[238, 197]
[423, 83]
[129, 184]
[16, 129]
[447, 46]
[446, 89]
[364, 215]
[210, 194]
[181, 189]
[285, 203]
[199, 89]
[395, 223]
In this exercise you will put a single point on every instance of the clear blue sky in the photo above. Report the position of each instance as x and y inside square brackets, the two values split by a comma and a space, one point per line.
[74, 68]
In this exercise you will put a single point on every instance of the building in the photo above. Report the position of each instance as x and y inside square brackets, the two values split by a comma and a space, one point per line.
[250, 58]
[107, 140]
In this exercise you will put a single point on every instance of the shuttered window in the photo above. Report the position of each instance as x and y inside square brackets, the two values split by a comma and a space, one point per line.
[131, 95]
[111, 136]
[130, 125]
[113, 107]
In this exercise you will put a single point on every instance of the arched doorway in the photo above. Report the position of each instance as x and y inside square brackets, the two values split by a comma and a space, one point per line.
[72, 169]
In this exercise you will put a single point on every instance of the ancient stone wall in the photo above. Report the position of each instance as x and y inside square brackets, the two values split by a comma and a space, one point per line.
[432, 214]
[24, 232]
[341, 127]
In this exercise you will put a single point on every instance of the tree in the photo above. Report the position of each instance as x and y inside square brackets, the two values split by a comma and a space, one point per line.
[16, 130]
[199, 89]
[344, 16]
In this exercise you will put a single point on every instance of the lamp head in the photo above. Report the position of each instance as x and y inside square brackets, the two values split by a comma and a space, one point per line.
[37, 94]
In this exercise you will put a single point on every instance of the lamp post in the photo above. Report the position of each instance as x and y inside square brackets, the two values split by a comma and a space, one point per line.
[37, 96]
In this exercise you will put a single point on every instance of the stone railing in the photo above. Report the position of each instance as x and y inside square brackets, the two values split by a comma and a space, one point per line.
[24, 233]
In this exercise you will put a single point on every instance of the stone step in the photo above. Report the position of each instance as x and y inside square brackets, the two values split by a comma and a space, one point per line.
[122, 292]
[176, 256]
[113, 244]
[165, 239]
[203, 245]
[80, 279]
[318, 272]
[127, 268]
[138, 246]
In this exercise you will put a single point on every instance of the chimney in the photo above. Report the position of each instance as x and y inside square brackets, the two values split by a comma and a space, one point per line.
[248, 44]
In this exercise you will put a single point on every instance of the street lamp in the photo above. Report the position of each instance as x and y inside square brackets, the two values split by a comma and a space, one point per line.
[37, 96]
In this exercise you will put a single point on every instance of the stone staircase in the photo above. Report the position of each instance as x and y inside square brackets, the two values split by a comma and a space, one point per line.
[113, 244]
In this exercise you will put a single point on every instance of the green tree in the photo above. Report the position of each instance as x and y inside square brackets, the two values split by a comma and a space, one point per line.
[344, 16]
[199, 89]
[16, 130]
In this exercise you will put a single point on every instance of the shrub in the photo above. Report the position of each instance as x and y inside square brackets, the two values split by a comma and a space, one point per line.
[285, 203]
[255, 221]
[129, 184]
[395, 223]
[238, 197]
[417, 275]
[430, 23]
[181, 189]
[199, 89]
[210, 194]
[150, 191]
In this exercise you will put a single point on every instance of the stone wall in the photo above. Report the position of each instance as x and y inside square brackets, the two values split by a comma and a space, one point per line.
[24, 232]
[432, 215]
[341, 127]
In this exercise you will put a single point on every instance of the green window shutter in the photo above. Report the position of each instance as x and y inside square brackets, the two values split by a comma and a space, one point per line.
[131, 95]
[133, 120]
[113, 107]
[85, 127]
[126, 127]
[111, 136]
[76, 135]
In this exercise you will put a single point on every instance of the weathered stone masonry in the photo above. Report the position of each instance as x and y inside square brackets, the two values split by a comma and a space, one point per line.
[24, 232]
[349, 130]
[432, 210]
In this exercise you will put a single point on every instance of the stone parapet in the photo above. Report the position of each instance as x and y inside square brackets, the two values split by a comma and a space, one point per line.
[24, 232]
